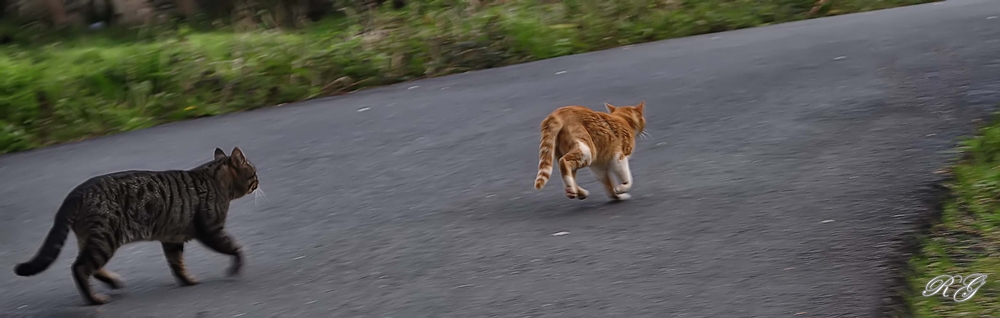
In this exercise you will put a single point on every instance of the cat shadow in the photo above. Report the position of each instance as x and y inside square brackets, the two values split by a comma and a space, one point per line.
[600, 206]
[161, 291]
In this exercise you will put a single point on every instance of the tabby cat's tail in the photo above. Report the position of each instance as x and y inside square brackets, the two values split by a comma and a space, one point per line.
[53, 242]
[546, 150]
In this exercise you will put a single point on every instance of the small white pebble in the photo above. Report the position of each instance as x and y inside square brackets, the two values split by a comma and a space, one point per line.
[22, 307]
[298, 257]
[991, 17]
[363, 109]
[239, 315]
[560, 72]
[560, 233]
[716, 37]
[413, 87]
[840, 58]
[826, 221]
[444, 88]
[310, 302]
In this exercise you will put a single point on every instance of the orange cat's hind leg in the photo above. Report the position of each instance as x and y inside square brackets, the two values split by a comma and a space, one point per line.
[572, 161]
[603, 175]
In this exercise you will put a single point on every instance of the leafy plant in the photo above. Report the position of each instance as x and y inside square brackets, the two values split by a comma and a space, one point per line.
[60, 86]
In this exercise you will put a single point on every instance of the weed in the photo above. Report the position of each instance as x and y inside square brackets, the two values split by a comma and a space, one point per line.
[967, 239]
[58, 87]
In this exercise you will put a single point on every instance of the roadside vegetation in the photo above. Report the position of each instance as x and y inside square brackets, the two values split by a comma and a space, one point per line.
[69, 84]
[966, 240]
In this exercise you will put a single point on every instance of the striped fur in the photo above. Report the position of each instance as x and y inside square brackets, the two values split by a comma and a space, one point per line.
[171, 207]
[546, 150]
[581, 137]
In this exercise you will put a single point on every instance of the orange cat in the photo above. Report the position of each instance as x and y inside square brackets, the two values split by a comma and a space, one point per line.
[581, 137]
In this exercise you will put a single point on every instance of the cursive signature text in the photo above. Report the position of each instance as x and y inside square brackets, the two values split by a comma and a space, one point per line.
[968, 286]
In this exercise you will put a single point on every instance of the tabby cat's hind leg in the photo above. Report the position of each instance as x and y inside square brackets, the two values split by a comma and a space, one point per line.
[92, 258]
[105, 276]
[174, 252]
[109, 278]
[572, 161]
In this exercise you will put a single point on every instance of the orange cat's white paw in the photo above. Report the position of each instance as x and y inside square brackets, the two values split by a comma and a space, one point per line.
[622, 188]
[622, 197]
[579, 193]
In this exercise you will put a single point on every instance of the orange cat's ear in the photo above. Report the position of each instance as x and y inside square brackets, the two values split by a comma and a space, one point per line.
[611, 108]
[641, 106]
[219, 153]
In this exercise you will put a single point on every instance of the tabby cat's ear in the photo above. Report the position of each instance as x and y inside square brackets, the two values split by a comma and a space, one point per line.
[611, 108]
[219, 153]
[237, 156]
[641, 106]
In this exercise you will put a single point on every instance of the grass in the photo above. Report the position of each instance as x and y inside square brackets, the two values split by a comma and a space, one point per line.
[59, 88]
[967, 238]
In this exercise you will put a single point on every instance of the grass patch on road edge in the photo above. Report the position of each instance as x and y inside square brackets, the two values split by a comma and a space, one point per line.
[70, 88]
[966, 239]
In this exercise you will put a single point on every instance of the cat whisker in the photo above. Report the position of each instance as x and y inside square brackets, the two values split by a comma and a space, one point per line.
[644, 134]
[264, 195]
[259, 193]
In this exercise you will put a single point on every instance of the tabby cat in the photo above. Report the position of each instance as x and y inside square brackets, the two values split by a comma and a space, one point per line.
[581, 137]
[172, 207]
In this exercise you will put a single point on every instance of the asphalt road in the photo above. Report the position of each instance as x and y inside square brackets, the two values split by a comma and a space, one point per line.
[786, 164]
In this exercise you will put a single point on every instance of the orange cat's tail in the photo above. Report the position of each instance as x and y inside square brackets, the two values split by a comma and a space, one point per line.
[546, 150]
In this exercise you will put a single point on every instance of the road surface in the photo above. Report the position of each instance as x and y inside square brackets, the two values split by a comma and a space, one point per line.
[786, 164]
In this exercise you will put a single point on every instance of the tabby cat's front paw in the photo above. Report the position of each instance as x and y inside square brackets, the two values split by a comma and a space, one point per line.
[237, 266]
[187, 281]
[97, 299]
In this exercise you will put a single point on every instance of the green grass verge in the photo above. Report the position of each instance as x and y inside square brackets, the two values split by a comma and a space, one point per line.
[70, 88]
[967, 238]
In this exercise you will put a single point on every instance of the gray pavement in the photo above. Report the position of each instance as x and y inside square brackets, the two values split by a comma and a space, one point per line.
[786, 164]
